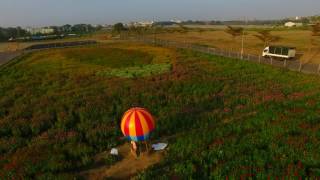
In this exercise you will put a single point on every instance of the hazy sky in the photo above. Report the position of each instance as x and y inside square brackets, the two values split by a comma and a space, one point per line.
[58, 12]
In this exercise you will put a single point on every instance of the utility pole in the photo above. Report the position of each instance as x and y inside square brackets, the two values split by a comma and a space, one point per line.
[154, 32]
[242, 39]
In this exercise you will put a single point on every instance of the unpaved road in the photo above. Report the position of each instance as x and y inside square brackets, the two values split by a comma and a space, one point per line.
[7, 56]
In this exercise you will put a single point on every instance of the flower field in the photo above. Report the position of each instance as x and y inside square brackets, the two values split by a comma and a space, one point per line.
[223, 118]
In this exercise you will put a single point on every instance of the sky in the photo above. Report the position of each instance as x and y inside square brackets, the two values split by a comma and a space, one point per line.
[58, 12]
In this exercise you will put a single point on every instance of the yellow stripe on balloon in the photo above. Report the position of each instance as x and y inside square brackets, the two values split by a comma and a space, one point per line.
[132, 125]
[124, 118]
[144, 124]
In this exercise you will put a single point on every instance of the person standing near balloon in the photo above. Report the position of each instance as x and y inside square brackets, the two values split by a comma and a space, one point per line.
[134, 149]
[137, 125]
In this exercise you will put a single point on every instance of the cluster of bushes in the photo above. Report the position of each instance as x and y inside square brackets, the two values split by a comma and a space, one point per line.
[109, 57]
[138, 71]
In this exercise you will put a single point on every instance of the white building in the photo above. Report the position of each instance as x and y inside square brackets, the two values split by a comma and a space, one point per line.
[292, 24]
[176, 21]
[142, 24]
[44, 30]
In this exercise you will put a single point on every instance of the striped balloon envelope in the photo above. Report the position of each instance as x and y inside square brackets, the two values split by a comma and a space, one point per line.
[137, 124]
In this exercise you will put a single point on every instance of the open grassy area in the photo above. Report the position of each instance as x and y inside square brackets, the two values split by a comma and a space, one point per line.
[219, 39]
[222, 117]
[214, 36]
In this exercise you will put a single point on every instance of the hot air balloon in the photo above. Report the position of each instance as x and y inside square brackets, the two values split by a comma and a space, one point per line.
[137, 124]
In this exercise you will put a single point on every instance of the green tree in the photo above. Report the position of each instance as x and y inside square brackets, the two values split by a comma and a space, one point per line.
[201, 30]
[82, 28]
[182, 28]
[118, 28]
[266, 37]
[66, 28]
[234, 31]
[315, 33]
[315, 29]
[12, 32]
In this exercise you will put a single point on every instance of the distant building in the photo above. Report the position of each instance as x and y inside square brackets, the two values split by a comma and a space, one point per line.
[293, 24]
[142, 24]
[176, 21]
[107, 27]
[44, 30]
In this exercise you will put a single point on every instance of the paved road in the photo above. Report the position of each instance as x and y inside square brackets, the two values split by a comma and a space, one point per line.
[7, 56]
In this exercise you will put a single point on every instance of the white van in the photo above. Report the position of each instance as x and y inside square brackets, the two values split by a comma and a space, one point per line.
[279, 51]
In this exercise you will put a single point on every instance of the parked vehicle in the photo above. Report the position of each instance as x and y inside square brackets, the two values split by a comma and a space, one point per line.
[279, 51]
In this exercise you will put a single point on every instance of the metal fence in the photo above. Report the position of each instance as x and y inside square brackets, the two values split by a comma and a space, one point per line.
[294, 65]
[60, 45]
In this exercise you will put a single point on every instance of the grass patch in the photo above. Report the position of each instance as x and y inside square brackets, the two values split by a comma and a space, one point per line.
[139, 71]
[110, 57]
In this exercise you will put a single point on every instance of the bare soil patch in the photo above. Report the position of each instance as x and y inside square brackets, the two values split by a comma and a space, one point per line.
[126, 168]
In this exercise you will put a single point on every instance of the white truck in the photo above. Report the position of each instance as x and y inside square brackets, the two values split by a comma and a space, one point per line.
[279, 52]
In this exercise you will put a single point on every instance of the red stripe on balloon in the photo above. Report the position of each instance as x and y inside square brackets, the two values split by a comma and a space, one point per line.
[127, 124]
[148, 120]
[139, 130]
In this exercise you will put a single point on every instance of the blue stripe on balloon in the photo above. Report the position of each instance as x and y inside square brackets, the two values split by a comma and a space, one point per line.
[138, 138]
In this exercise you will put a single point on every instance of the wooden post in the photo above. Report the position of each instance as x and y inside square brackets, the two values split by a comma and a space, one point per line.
[259, 59]
[248, 57]
[285, 63]
[300, 66]
[319, 68]
[271, 61]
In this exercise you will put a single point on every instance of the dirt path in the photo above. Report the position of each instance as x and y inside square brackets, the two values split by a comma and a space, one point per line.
[7, 56]
[124, 169]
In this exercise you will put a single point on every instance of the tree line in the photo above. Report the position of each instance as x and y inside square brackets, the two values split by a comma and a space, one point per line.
[18, 32]
[77, 28]
[7, 33]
